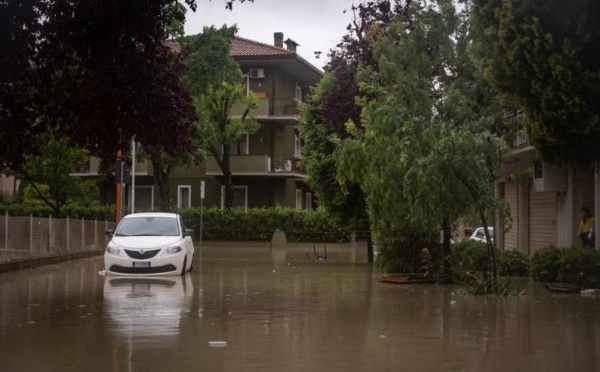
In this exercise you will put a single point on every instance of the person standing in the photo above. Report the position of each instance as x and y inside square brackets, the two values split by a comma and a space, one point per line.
[585, 232]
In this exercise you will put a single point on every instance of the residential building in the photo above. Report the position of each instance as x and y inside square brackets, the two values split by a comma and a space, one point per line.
[265, 164]
[544, 200]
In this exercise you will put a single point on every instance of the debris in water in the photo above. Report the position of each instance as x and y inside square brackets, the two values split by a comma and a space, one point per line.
[102, 272]
[217, 343]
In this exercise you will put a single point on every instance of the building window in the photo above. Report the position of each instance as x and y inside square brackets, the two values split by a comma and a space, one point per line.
[144, 198]
[298, 93]
[309, 201]
[298, 198]
[246, 83]
[297, 145]
[239, 200]
[241, 146]
[184, 196]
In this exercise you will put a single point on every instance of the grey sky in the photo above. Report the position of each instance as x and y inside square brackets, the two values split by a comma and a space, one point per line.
[317, 25]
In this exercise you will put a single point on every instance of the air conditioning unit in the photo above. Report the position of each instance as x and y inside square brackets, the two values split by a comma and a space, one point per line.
[257, 73]
[549, 178]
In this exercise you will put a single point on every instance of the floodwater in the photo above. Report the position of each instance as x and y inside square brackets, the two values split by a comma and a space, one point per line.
[256, 308]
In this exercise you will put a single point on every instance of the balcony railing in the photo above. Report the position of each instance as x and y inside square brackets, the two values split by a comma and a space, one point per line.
[269, 107]
[256, 165]
[521, 140]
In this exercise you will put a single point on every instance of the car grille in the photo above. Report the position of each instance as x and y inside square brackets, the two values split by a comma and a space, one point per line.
[142, 256]
[142, 270]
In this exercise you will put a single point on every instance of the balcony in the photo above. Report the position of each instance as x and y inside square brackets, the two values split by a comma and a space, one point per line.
[256, 165]
[269, 107]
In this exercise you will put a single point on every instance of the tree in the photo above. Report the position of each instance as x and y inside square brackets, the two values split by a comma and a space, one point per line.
[426, 154]
[213, 78]
[98, 72]
[220, 131]
[49, 173]
[544, 54]
[19, 27]
[332, 103]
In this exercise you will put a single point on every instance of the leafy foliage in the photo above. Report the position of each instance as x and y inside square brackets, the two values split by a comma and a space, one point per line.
[543, 55]
[48, 174]
[577, 266]
[236, 224]
[513, 263]
[96, 72]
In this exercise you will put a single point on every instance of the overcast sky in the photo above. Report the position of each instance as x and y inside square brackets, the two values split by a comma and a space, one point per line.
[317, 25]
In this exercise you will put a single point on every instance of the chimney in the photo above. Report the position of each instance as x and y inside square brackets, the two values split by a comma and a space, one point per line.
[291, 45]
[278, 36]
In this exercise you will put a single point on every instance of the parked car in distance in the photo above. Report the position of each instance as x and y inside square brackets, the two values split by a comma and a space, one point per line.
[479, 234]
[149, 244]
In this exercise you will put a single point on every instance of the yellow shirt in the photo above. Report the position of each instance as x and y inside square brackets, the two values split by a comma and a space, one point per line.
[586, 226]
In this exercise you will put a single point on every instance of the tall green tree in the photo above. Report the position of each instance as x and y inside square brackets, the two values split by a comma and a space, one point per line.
[49, 173]
[214, 80]
[544, 54]
[332, 103]
[427, 154]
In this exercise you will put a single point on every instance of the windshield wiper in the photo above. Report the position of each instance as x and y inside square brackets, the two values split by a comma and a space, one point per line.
[146, 235]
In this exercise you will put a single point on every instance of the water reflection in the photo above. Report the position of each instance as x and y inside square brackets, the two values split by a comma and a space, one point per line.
[147, 309]
[280, 309]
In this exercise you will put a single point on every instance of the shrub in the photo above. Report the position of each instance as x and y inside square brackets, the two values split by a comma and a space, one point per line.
[580, 266]
[545, 264]
[502, 287]
[469, 256]
[401, 251]
[513, 263]
[258, 224]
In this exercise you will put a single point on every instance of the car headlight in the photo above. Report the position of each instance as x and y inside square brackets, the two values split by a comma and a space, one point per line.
[114, 250]
[170, 250]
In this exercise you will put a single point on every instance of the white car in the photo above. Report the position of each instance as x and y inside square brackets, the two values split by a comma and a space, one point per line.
[479, 234]
[149, 244]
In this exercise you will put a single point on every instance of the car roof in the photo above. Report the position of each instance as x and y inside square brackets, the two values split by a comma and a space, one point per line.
[152, 214]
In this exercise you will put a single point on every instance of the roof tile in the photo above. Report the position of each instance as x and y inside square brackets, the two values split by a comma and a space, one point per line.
[245, 47]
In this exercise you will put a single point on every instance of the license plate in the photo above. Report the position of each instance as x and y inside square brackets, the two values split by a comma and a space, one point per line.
[141, 263]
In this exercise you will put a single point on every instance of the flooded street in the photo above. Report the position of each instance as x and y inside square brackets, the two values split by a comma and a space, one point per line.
[260, 309]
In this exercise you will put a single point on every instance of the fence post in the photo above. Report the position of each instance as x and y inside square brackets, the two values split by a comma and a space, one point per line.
[31, 235]
[82, 234]
[6, 233]
[95, 234]
[68, 235]
[50, 245]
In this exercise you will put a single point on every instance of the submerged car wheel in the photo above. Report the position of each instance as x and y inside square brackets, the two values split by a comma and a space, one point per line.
[184, 266]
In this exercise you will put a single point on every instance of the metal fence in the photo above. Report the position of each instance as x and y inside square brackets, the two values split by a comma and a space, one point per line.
[23, 238]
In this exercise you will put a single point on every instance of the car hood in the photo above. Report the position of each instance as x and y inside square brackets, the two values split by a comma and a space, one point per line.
[145, 242]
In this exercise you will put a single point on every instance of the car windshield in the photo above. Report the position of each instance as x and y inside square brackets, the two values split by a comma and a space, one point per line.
[148, 226]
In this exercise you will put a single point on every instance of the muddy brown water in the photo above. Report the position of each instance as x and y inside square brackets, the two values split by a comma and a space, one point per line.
[256, 308]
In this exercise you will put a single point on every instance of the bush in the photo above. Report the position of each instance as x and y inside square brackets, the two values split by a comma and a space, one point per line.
[469, 256]
[258, 224]
[401, 251]
[513, 263]
[580, 266]
[545, 264]
[71, 210]
[577, 266]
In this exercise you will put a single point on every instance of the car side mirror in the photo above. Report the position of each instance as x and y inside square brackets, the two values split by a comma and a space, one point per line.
[188, 232]
[109, 232]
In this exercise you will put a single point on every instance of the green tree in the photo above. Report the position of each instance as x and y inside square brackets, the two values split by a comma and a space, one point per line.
[48, 173]
[545, 55]
[219, 131]
[214, 80]
[427, 154]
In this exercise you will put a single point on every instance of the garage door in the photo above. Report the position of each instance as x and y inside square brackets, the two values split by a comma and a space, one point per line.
[511, 197]
[542, 219]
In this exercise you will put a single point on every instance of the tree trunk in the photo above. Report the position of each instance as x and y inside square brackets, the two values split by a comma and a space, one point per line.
[161, 181]
[490, 248]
